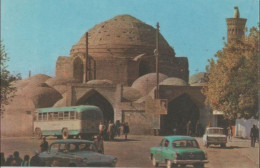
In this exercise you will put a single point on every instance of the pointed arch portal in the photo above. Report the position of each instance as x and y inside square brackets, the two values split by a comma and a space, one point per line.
[95, 98]
[180, 111]
[78, 69]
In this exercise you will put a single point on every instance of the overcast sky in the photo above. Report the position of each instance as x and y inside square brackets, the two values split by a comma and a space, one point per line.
[36, 32]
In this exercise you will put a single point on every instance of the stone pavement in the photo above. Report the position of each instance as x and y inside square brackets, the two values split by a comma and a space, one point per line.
[246, 150]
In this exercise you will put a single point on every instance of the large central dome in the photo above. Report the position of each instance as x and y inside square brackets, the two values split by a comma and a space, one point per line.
[122, 36]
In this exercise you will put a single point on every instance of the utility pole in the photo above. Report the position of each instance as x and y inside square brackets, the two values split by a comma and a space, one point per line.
[156, 53]
[86, 68]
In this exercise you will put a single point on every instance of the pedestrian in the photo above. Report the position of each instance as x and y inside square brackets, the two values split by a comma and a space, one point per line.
[126, 130]
[99, 144]
[188, 128]
[110, 130]
[117, 128]
[26, 161]
[197, 128]
[44, 145]
[229, 131]
[101, 129]
[253, 135]
[35, 160]
[17, 159]
[9, 160]
[2, 159]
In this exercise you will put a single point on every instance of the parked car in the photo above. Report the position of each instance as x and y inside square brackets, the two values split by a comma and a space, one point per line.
[76, 153]
[178, 150]
[214, 135]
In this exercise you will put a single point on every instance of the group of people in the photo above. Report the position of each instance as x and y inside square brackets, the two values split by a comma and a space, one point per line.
[16, 160]
[194, 130]
[107, 131]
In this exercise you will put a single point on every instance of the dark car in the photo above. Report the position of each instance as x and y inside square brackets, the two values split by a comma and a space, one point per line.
[76, 153]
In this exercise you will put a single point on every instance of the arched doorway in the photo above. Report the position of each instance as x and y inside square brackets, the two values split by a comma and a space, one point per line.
[144, 68]
[78, 69]
[180, 111]
[96, 99]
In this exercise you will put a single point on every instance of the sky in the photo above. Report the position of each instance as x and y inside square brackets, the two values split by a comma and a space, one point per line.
[36, 32]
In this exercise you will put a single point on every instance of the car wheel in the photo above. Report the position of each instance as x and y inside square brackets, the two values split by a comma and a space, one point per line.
[169, 164]
[72, 165]
[223, 145]
[198, 165]
[38, 133]
[207, 145]
[155, 164]
[65, 133]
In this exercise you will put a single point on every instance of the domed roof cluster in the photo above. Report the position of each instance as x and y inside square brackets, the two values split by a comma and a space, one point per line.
[122, 36]
[198, 79]
[147, 82]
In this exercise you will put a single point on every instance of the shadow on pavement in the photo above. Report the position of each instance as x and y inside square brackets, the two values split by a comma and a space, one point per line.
[122, 140]
[228, 147]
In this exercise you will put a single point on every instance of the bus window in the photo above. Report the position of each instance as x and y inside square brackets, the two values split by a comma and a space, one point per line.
[77, 115]
[60, 115]
[40, 116]
[55, 116]
[72, 115]
[66, 115]
[50, 116]
[44, 116]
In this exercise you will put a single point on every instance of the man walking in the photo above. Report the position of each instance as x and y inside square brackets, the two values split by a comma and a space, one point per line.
[44, 145]
[253, 135]
[188, 128]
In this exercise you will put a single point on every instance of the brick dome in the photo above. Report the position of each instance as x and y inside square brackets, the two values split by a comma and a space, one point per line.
[122, 36]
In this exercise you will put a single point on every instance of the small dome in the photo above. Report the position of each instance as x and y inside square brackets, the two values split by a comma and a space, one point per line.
[198, 79]
[174, 82]
[100, 82]
[60, 81]
[34, 80]
[146, 83]
[131, 94]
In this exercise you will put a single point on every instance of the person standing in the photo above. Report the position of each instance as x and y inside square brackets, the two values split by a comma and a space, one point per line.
[253, 135]
[229, 131]
[2, 159]
[16, 159]
[117, 128]
[99, 144]
[188, 128]
[44, 145]
[35, 160]
[126, 130]
[110, 130]
[26, 161]
[101, 130]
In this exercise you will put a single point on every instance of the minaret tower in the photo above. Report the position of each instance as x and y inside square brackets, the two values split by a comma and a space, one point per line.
[235, 26]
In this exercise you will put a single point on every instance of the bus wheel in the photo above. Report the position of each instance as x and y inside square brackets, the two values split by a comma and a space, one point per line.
[65, 133]
[38, 133]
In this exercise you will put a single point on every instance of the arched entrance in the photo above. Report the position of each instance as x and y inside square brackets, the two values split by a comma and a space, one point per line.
[96, 99]
[78, 69]
[180, 111]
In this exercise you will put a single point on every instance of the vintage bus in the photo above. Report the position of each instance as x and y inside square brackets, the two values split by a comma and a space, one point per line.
[66, 122]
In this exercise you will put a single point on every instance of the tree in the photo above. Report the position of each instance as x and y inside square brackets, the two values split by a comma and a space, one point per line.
[7, 90]
[232, 78]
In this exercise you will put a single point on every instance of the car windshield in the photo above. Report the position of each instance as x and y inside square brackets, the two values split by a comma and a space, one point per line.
[73, 147]
[215, 131]
[185, 144]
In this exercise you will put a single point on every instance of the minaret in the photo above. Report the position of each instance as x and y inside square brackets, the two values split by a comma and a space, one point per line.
[235, 26]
